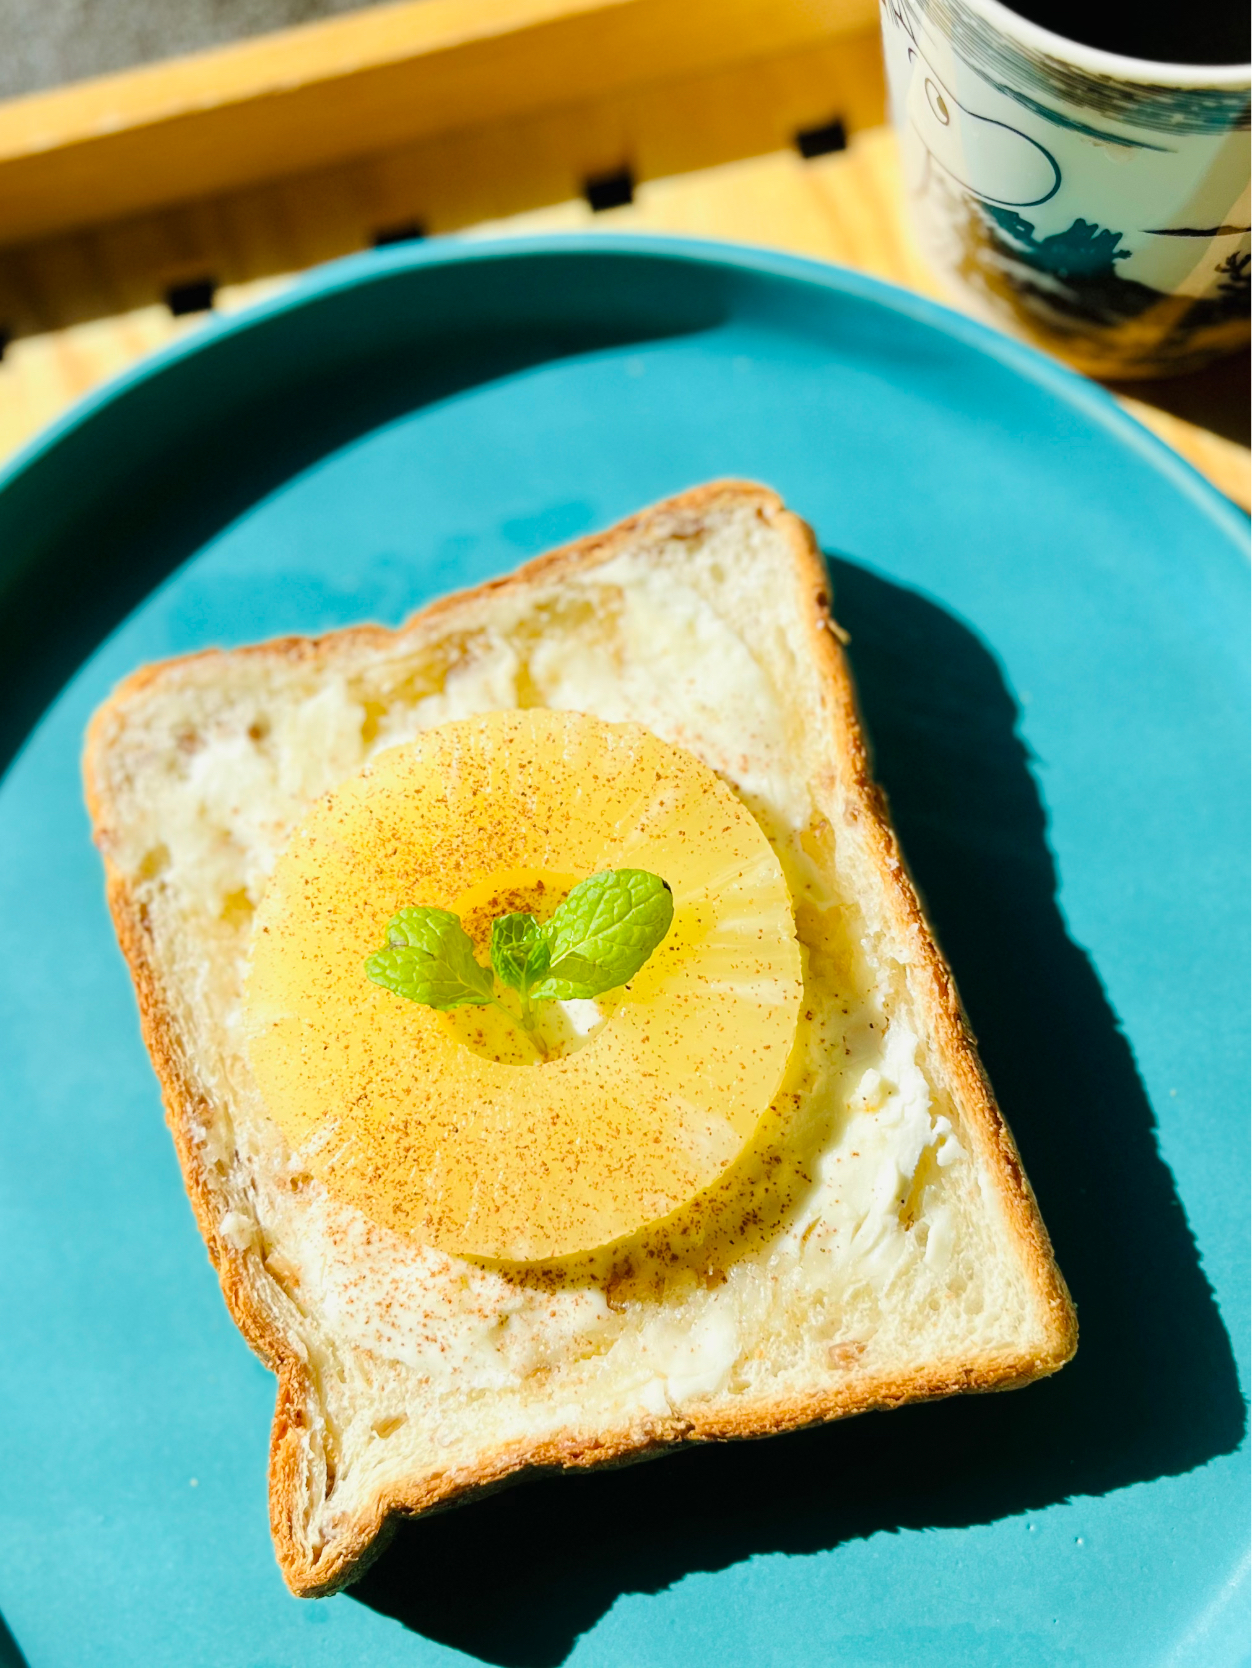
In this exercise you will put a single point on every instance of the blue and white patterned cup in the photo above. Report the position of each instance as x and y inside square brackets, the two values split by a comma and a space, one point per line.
[1096, 205]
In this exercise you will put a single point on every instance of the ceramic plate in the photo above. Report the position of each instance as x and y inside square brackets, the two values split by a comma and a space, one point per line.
[1047, 612]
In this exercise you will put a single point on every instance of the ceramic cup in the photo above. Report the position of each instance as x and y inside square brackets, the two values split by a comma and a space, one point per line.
[1094, 204]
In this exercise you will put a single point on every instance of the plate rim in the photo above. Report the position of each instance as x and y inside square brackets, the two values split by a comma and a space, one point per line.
[1088, 398]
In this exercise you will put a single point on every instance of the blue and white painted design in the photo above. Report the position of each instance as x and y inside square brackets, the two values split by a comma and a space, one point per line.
[1103, 218]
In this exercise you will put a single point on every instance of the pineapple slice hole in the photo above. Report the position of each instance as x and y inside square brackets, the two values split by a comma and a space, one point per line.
[434, 1124]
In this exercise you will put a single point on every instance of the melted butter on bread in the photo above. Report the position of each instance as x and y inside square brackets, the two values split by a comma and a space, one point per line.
[815, 1195]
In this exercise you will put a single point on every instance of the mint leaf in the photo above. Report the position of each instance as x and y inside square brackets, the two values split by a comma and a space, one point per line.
[571, 970]
[519, 951]
[429, 957]
[603, 933]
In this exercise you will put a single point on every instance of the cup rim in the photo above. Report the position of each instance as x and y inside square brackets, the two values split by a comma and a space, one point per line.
[1228, 77]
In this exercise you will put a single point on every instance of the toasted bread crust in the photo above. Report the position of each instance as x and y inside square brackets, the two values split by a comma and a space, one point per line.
[950, 1037]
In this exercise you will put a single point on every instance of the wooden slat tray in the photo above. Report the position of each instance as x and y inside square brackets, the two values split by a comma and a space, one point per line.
[222, 174]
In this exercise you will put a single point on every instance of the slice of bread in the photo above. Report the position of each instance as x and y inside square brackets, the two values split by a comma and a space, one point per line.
[879, 1242]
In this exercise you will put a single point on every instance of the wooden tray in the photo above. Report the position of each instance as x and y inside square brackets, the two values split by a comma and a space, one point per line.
[130, 203]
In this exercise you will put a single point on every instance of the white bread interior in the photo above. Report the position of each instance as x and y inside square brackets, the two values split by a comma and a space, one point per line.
[877, 1242]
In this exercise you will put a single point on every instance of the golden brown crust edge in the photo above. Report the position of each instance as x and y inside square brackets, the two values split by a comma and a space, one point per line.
[238, 1271]
[950, 1028]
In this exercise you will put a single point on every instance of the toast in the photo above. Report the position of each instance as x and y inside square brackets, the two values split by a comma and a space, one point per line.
[886, 1246]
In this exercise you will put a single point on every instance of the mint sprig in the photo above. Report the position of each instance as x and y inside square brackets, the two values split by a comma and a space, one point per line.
[596, 940]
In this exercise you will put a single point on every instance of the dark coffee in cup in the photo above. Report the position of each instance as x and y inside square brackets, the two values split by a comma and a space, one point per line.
[1204, 32]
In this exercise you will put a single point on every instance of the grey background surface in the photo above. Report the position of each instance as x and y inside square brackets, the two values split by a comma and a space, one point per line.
[46, 42]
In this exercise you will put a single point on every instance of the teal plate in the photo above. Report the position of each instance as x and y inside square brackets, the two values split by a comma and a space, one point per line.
[1047, 612]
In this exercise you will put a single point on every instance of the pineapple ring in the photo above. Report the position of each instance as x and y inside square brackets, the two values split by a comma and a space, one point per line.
[476, 1155]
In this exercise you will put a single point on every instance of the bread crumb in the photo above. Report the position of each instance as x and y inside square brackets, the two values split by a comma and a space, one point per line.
[237, 1230]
